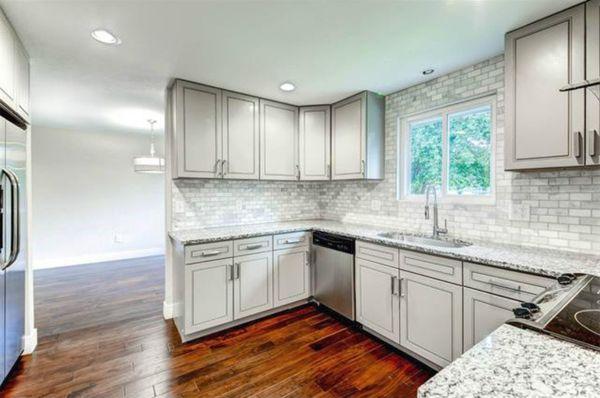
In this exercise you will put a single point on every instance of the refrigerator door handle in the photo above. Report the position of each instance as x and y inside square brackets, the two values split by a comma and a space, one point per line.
[15, 235]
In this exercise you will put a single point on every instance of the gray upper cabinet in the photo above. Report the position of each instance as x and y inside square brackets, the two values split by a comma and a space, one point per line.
[592, 71]
[545, 127]
[14, 72]
[7, 62]
[197, 130]
[279, 141]
[315, 142]
[357, 137]
[240, 136]
[21, 81]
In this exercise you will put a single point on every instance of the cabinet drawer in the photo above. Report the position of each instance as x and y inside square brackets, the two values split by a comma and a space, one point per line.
[379, 254]
[440, 268]
[511, 284]
[252, 245]
[208, 252]
[294, 239]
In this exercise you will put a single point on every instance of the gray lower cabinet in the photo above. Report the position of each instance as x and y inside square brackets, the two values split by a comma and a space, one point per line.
[315, 142]
[484, 313]
[592, 71]
[377, 298]
[240, 158]
[253, 284]
[197, 139]
[544, 127]
[431, 318]
[291, 273]
[278, 141]
[357, 137]
[208, 295]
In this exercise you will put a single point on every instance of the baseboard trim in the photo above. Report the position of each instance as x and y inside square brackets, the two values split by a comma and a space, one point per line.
[168, 310]
[97, 258]
[30, 342]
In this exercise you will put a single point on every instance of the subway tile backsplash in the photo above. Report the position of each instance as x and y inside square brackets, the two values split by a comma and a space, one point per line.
[555, 209]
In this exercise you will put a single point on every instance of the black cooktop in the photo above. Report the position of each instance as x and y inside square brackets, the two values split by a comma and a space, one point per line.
[579, 319]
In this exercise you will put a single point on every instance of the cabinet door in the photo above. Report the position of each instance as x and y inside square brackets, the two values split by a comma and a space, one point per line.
[545, 127]
[279, 141]
[240, 136]
[208, 295]
[253, 284]
[592, 71]
[7, 62]
[483, 313]
[377, 303]
[349, 138]
[198, 130]
[431, 318]
[22, 81]
[292, 275]
[315, 139]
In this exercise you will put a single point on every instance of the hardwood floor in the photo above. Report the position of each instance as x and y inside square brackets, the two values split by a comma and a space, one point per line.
[103, 335]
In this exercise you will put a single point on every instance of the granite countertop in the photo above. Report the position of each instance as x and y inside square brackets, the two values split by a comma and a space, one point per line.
[537, 261]
[513, 362]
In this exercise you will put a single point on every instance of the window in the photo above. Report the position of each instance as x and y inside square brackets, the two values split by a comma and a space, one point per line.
[451, 149]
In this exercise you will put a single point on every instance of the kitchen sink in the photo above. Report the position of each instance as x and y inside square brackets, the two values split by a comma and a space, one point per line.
[424, 240]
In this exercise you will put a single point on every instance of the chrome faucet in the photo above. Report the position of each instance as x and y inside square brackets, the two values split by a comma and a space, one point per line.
[436, 228]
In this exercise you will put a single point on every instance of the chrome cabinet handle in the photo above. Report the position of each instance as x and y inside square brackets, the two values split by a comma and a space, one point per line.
[217, 167]
[291, 241]
[238, 267]
[400, 289]
[223, 167]
[495, 284]
[393, 281]
[210, 253]
[297, 172]
[328, 171]
[252, 247]
[230, 272]
[577, 144]
[362, 167]
[592, 136]
[15, 225]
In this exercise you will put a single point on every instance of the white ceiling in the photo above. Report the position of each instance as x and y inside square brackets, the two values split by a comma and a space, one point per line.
[329, 48]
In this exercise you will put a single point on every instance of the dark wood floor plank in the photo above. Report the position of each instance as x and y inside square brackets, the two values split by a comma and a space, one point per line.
[102, 335]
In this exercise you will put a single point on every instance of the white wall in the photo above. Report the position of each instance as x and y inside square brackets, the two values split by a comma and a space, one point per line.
[85, 191]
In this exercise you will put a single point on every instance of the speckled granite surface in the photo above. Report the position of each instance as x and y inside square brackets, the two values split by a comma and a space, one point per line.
[513, 362]
[537, 261]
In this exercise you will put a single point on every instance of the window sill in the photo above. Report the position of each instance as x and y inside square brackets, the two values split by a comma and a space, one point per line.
[450, 199]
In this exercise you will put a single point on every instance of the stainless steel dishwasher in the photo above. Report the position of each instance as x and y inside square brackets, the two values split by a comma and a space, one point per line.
[334, 273]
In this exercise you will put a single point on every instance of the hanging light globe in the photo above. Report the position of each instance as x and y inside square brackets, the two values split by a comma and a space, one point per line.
[150, 164]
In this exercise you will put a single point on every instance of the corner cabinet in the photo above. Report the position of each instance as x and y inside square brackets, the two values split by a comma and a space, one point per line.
[358, 138]
[545, 127]
[278, 141]
[14, 73]
[315, 143]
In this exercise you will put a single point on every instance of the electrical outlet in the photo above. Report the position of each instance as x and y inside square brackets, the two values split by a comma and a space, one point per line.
[118, 238]
[519, 212]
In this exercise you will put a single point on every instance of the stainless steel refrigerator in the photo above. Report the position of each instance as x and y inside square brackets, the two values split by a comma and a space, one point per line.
[13, 215]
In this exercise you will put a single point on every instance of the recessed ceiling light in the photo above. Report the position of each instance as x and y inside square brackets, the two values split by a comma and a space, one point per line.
[105, 37]
[428, 71]
[287, 86]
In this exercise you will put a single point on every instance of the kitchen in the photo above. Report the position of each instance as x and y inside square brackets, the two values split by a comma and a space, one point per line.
[434, 237]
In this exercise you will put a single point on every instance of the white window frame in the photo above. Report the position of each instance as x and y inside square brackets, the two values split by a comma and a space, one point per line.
[403, 145]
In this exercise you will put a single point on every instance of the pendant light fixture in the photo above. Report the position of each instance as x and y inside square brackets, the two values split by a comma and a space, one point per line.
[149, 164]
